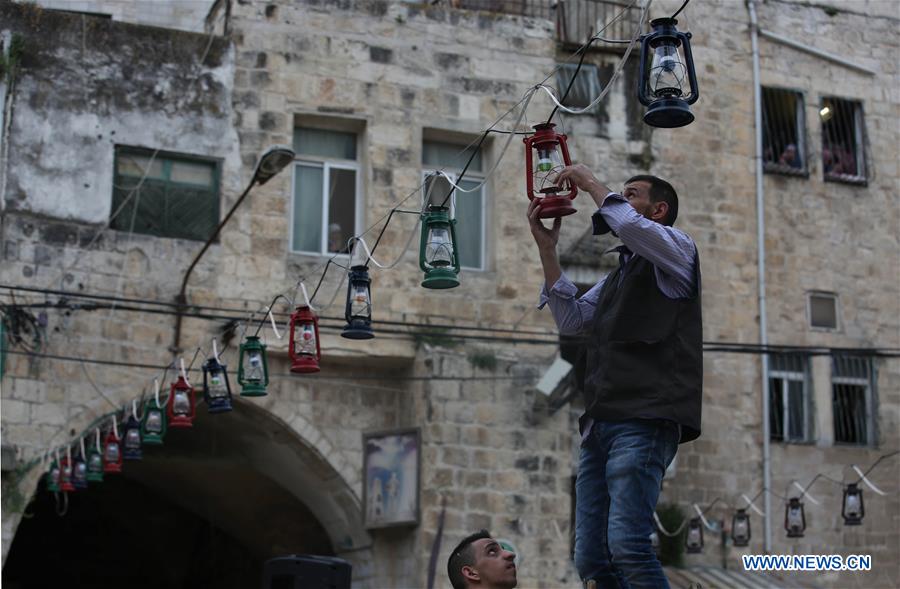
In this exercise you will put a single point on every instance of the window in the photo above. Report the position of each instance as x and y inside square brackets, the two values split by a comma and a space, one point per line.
[789, 402]
[852, 383]
[784, 131]
[585, 89]
[823, 310]
[467, 207]
[165, 194]
[326, 204]
[843, 153]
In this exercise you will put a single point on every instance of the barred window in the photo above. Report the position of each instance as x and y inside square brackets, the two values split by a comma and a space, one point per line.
[784, 132]
[585, 89]
[843, 145]
[789, 398]
[165, 194]
[853, 399]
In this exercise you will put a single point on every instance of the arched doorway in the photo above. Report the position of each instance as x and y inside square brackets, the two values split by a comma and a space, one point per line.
[206, 509]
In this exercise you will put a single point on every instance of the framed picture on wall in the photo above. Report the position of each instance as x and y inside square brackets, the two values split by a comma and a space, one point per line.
[391, 467]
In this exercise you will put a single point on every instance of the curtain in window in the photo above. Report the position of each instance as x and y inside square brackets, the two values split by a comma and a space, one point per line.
[307, 222]
[469, 211]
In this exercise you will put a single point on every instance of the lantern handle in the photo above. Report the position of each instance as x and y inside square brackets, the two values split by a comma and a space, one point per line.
[215, 350]
[97, 440]
[156, 392]
[306, 296]
[115, 427]
[134, 409]
[81, 444]
[867, 481]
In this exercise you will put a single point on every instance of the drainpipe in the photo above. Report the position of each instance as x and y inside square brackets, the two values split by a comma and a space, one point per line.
[761, 274]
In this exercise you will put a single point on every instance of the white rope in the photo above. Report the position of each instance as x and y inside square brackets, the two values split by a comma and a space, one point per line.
[69, 456]
[184, 373]
[156, 392]
[274, 327]
[752, 505]
[81, 443]
[867, 481]
[616, 73]
[97, 440]
[134, 409]
[115, 427]
[662, 528]
[805, 494]
[709, 526]
[306, 297]
[215, 351]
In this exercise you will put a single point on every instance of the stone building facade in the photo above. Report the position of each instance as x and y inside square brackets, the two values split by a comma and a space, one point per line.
[403, 85]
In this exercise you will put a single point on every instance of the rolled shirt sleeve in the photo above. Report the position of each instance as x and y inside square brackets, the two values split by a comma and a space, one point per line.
[572, 315]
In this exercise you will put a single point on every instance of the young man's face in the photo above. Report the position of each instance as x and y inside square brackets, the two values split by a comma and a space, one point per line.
[495, 566]
[638, 196]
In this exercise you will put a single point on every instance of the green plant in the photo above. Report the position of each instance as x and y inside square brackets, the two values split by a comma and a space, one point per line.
[671, 549]
[437, 337]
[12, 57]
[483, 359]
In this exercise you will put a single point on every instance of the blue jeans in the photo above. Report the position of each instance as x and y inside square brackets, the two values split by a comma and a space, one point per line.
[619, 478]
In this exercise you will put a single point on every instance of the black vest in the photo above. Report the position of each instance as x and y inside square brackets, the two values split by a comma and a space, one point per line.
[645, 351]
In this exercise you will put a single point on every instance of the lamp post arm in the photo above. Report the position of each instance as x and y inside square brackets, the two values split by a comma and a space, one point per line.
[181, 299]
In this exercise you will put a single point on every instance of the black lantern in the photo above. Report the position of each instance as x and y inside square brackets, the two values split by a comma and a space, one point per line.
[693, 541]
[131, 441]
[668, 83]
[79, 470]
[740, 528]
[216, 388]
[853, 509]
[358, 312]
[794, 518]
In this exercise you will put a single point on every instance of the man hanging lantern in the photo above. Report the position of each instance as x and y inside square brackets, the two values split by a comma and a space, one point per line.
[253, 370]
[153, 423]
[853, 509]
[216, 388]
[550, 150]
[112, 451]
[794, 518]
[438, 256]
[358, 311]
[304, 349]
[131, 443]
[693, 541]
[181, 408]
[740, 528]
[668, 83]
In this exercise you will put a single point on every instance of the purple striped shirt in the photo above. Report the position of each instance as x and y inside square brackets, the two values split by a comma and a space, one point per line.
[670, 250]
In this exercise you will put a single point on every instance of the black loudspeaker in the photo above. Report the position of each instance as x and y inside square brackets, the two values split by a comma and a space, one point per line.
[306, 572]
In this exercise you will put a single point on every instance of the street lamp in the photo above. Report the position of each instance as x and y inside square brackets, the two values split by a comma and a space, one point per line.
[272, 161]
[669, 84]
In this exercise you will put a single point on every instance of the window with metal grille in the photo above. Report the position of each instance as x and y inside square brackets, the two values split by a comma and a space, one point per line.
[853, 399]
[165, 194]
[843, 141]
[326, 207]
[789, 398]
[823, 310]
[784, 132]
[585, 89]
[468, 208]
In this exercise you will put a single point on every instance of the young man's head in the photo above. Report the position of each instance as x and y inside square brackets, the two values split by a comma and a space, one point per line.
[479, 561]
[653, 198]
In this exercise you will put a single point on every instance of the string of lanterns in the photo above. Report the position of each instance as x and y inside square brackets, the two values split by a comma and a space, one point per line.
[852, 512]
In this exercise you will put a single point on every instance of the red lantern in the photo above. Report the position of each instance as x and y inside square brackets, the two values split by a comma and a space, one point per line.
[112, 451]
[65, 474]
[552, 156]
[181, 408]
[304, 344]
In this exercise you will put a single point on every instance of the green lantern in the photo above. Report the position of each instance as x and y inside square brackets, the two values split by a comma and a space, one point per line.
[437, 249]
[253, 371]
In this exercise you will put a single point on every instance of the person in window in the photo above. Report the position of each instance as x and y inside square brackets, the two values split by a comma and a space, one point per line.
[480, 562]
[790, 157]
[336, 241]
[642, 330]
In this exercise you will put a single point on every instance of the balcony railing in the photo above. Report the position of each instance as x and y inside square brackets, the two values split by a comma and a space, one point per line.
[576, 20]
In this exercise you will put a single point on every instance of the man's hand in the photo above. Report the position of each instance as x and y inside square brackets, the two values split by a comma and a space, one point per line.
[582, 178]
[545, 238]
